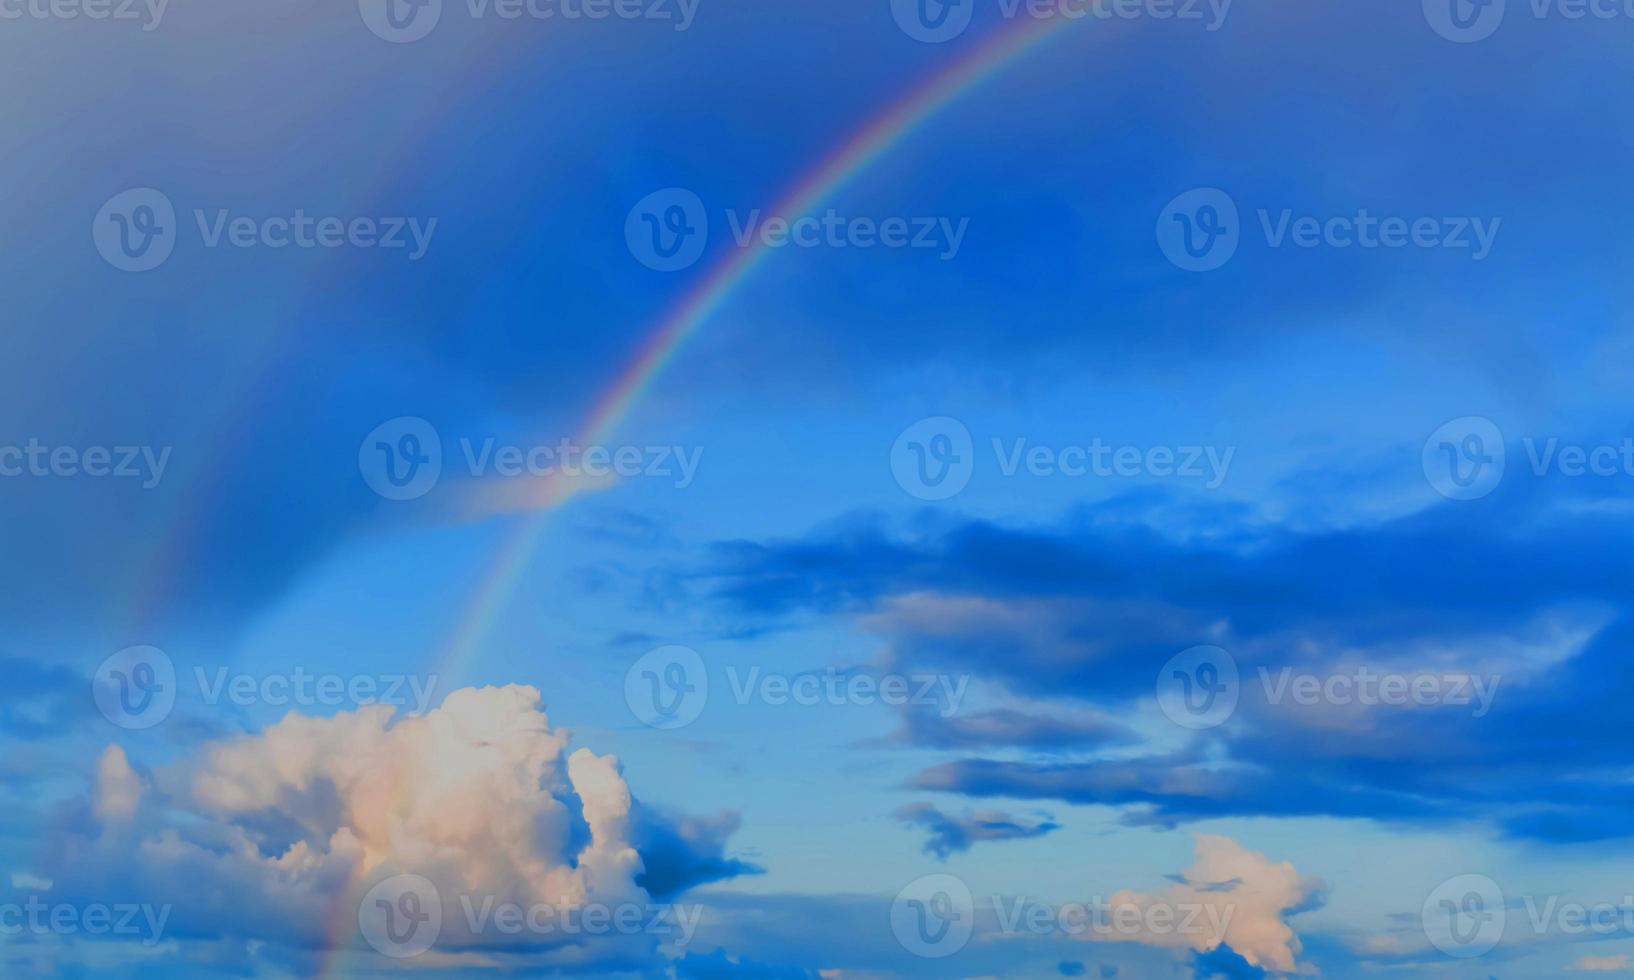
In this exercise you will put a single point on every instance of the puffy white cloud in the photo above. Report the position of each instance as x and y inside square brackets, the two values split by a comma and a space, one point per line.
[274, 837]
[118, 788]
[1232, 895]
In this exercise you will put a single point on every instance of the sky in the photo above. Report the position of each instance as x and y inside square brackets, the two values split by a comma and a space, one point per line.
[876, 489]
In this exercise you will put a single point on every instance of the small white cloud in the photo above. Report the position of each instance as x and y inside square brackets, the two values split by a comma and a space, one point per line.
[1231, 895]
[30, 882]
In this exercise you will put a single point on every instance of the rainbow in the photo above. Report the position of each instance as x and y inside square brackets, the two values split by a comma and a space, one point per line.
[694, 309]
[687, 316]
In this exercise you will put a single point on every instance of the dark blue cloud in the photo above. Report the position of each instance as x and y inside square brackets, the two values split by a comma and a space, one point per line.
[951, 834]
[1089, 608]
[41, 700]
[680, 852]
[1223, 963]
[1008, 727]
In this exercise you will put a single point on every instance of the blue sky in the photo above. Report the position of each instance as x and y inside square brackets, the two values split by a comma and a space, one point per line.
[1315, 466]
